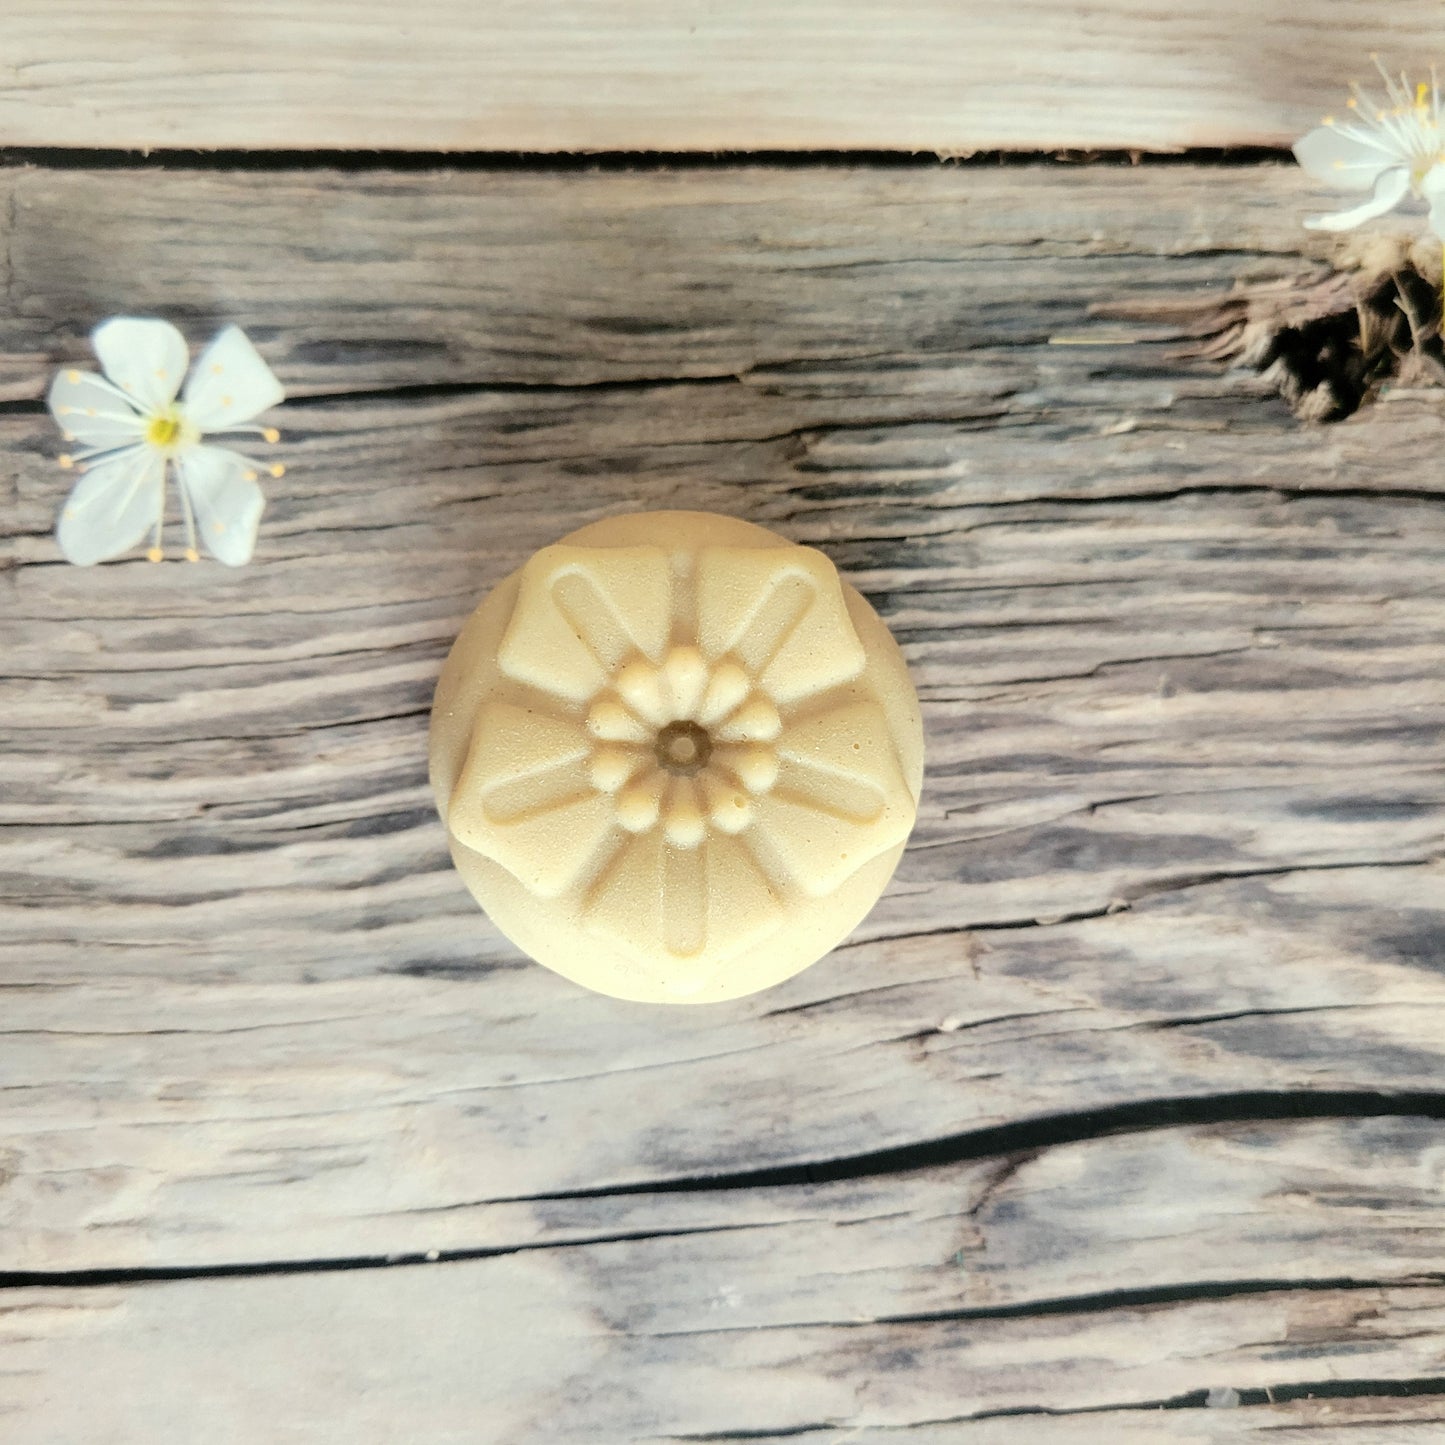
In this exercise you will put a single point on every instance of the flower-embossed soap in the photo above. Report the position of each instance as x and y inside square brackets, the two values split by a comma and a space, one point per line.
[678, 758]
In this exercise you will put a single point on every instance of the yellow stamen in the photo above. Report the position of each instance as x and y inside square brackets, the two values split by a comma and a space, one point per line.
[162, 430]
[192, 555]
[156, 555]
[66, 460]
[1421, 91]
[271, 434]
[277, 470]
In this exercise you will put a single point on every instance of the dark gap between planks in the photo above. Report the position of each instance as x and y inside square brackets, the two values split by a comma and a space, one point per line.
[101, 158]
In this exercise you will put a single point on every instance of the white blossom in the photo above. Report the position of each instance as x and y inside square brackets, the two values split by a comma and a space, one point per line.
[1391, 149]
[136, 423]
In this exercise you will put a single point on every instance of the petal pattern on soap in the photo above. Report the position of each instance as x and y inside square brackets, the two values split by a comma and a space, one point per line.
[525, 799]
[743, 905]
[624, 906]
[781, 612]
[706, 904]
[839, 800]
[677, 859]
[581, 611]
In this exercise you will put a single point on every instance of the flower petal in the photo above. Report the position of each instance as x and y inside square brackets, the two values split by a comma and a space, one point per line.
[227, 502]
[1390, 190]
[840, 798]
[112, 506]
[89, 408]
[609, 720]
[639, 804]
[640, 685]
[524, 799]
[743, 907]
[683, 822]
[686, 674]
[728, 806]
[663, 905]
[1347, 159]
[756, 768]
[144, 357]
[781, 611]
[611, 767]
[727, 687]
[230, 383]
[1433, 189]
[756, 721]
[581, 611]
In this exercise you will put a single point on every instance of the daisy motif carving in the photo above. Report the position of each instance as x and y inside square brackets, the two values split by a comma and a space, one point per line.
[685, 751]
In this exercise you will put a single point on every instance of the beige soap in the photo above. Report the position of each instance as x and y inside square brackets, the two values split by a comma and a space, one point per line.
[677, 757]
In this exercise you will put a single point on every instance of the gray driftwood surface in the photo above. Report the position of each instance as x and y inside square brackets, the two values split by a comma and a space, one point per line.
[1119, 1119]
[665, 75]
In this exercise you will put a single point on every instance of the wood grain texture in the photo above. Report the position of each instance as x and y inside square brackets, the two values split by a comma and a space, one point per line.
[658, 75]
[552, 1366]
[1129, 1089]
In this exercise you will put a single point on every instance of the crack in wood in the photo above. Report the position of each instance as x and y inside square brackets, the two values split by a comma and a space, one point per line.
[1266, 1395]
[1031, 1136]
[1271, 1395]
[1098, 1303]
[160, 1274]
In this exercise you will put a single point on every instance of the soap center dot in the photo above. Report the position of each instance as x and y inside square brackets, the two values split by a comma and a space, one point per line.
[683, 748]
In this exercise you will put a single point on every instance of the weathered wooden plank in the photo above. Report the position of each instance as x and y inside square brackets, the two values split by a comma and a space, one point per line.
[524, 1349]
[561, 75]
[490, 277]
[1179, 657]
[1174, 903]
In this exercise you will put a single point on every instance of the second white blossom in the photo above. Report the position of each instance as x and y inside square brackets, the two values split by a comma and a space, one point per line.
[1392, 149]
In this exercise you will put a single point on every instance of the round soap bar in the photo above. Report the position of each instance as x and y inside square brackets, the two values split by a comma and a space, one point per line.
[678, 758]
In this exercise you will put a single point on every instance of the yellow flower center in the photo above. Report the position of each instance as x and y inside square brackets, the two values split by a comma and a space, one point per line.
[163, 431]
